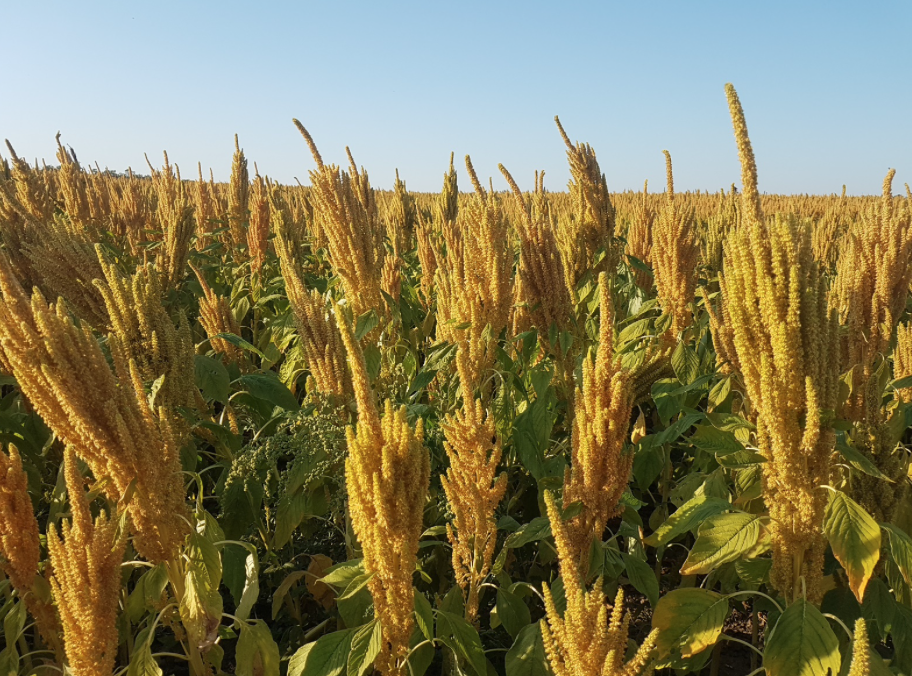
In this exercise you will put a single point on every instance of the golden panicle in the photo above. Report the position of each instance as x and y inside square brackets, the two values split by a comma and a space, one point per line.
[475, 279]
[354, 234]
[86, 558]
[861, 650]
[73, 187]
[785, 337]
[541, 269]
[426, 239]
[105, 415]
[639, 238]
[401, 218]
[591, 225]
[132, 211]
[902, 359]
[585, 641]
[873, 274]
[144, 334]
[473, 488]
[174, 252]
[750, 196]
[599, 466]
[19, 549]
[320, 337]
[675, 255]
[28, 193]
[64, 265]
[258, 231]
[217, 317]
[238, 198]
[205, 203]
[720, 328]
[387, 472]
[447, 202]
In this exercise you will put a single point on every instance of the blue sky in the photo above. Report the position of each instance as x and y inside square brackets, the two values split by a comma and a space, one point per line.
[826, 87]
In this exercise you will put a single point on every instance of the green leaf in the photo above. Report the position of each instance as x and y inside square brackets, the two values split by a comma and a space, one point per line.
[257, 653]
[327, 656]
[372, 361]
[141, 661]
[755, 571]
[212, 378]
[291, 510]
[855, 539]
[279, 595]
[537, 529]
[900, 550]
[268, 388]
[526, 656]
[147, 593]
[251, 590]
[689, 621]
[513, 612]
[642, 577]
[365, 324]
[686, 363]
[802, 644]
[462, 638]
[424, 616]
[857, 459]
[355, 586]
[365, 647]
[686, 517]
[713, 440]
[721, 539]
[341, 574]
[740, 459]
[237, 341]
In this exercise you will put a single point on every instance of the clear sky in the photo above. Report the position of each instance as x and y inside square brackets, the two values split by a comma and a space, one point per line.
[826, 87]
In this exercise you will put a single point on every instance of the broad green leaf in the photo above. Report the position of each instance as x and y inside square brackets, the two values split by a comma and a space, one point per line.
[251, 586]
[365, 324]
[268, 388]
[141, 661]
[526, 656]
[802, 644]
[237, 341]
[355, 586]
[755, 571]
[900, 550]
[212, 378]
[462, 638]
[686, 517]
[689, 620]
[855, 539]
[341, 574]
[713, 440]
[857, 459]
[279, 595]
[327, 656]
[257, 653]
[537, 529]
[147, 592]
[513, 612]
[365, 647]
[642, 577]
[424, 616]
[721, 539]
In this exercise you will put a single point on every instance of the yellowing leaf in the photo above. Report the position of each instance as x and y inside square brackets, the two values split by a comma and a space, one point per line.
[721, 539]
[689, 621]
[855, 539]
[802, 644]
